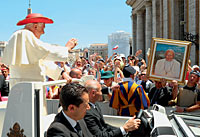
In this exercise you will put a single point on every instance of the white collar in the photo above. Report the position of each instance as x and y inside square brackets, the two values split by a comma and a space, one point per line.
[128, 79]
[93, 105]
[71, 121]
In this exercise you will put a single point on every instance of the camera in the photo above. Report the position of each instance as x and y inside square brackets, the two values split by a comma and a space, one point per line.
[88, 65]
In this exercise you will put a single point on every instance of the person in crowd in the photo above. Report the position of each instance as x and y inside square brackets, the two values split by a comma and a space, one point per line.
[132, 60]
[137, 68]
[189, 69]
[108, 83]
[101, 65]
[65, 66]
[144, 81]
[92, 59]
[27, 55]
[117, 70]
[93, 71]
[130, 97]
[78, 64]
[160, 93]
[195, 68]
[75, 73]
[74, 100]
[94, 118]
[5, 72]
[4, 87]
[188, 97]
[122, 56]
[168, 67]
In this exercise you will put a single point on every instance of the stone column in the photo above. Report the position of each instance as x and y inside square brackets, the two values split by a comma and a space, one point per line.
[165, 19]
[148, 27]
[174, 19]
[140, 31]
[134, 27]
[192, 29]
[156, 18]
[199, 33]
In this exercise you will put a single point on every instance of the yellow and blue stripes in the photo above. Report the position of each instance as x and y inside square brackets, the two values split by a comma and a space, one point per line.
[129, 99]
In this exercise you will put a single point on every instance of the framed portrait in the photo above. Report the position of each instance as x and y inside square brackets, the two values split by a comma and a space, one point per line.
[168, 59]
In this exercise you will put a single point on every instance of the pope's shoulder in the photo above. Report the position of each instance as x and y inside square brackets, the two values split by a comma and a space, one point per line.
[23, 31]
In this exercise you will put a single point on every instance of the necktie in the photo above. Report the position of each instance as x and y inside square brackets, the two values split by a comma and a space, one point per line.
[78, 129]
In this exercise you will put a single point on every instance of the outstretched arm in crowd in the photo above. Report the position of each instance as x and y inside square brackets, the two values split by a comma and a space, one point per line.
[118, 75]
[110, 59]
[174, 84]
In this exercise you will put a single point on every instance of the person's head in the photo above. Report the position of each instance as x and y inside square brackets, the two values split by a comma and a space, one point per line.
[193, 78]
[158, 84]
[123, 58]
[92, 71]
[74, 100]
[195, 68]
[169, 55]
[78, 62]
[117, 61]
[35, 22]
[36, 28]
[101, 62]
[5, 71]
[143, 75]
[75, 73]
[94, 89]
[129, 72]
[108, 78]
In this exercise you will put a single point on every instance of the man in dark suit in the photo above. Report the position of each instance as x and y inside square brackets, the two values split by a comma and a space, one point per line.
[4, 88]
[94, 118]
[74, 100]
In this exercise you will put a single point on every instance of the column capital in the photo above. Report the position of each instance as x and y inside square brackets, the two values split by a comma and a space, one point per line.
[139, 12]
[148, 4]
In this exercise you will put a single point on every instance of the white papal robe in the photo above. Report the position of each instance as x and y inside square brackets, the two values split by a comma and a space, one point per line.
[30, 59]
[171, 70]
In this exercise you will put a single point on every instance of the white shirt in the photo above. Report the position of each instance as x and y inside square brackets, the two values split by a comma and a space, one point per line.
[128, 79]
[71, 121]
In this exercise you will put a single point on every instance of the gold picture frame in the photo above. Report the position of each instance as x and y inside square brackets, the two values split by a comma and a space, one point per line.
[168, 59]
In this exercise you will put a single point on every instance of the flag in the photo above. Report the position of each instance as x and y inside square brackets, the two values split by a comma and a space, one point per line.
[116, 47]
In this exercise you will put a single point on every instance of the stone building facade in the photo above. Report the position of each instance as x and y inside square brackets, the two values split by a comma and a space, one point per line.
[170, 19]
[2, 47]
[100, 48]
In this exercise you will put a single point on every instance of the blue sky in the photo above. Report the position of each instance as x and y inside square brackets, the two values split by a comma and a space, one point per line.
[90, 21]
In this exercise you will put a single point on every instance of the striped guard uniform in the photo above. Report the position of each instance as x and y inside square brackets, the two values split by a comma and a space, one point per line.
[129, 99]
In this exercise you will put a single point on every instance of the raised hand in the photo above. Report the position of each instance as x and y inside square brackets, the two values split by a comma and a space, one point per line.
[71, 43]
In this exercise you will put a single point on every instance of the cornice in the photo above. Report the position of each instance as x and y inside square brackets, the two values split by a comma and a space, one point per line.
[130, 2]
[140, 5]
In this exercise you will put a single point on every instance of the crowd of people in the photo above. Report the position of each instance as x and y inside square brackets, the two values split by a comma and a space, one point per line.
[121, 81]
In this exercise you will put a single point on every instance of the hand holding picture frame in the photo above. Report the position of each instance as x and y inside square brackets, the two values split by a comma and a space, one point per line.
[168, 59]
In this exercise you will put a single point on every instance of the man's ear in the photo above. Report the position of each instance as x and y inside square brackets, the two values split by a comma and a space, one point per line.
[92, 92]
[71, 107]
[35, 26]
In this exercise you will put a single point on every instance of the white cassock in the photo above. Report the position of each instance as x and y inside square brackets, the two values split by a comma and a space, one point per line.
[169, 69]
[30, 59]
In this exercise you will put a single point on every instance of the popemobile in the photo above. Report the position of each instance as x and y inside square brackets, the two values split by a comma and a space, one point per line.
[28, 114]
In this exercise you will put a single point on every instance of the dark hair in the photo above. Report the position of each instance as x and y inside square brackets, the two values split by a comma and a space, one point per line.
[71, 94]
